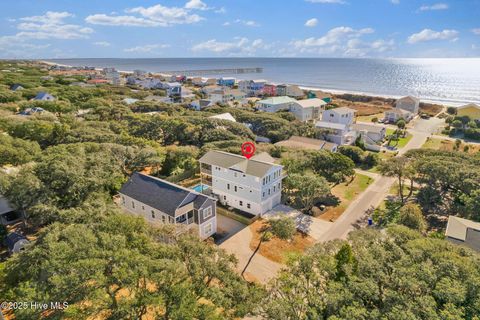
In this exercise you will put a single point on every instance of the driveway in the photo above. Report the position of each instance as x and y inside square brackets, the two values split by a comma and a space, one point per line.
[227, 227]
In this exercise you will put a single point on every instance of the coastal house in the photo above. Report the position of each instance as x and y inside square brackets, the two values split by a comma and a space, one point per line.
[337, 123]
[253, 186]
[294, 91]
[43, 96]
[308, 144]
[308, 109]
[174, 90]
[16, 242]
[281, 90]
[252, 88]
[186, 94]
[7, 214]
[15, 87]
[269, 90]
[371, 135]
[112, 75]
[226, 82]
[393, 115]
[201, 104]
[161, 202]
[224, 116]
[139, 73]
[409, 103]
[224, 95]
[211, 88]
[463, 231]
[275, 104]
[470, 110]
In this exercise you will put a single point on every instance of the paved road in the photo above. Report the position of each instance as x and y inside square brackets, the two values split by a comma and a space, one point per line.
[377, 191]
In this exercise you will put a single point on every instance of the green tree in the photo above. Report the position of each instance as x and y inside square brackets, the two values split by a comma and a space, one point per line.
[402, 169]
[411, 216]
[305, 189]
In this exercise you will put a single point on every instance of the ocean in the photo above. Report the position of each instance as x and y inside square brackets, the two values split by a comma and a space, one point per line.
[447, 81]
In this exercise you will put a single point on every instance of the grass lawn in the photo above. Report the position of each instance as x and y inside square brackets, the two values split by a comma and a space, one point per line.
[402, 141]
[276, 249]
[383, 156]
[449, 145]
[370, 117]
[346, 193]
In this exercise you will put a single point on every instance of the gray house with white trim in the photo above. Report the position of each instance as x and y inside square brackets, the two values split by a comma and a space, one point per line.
[162, 202]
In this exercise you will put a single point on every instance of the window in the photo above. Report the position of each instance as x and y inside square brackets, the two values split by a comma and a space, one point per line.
[228, 186]
[235, 188]
[208, 229]
[143, 208]
[153, 214]
[133, 204]
[241, 203]
[274, 189]
[268, 191]
[207, 213]
[224, 197]
[248, 205]
[263, 195]
[331, 115]
[164, 220]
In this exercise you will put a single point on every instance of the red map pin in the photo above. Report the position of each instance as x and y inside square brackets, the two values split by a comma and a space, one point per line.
[248, 149]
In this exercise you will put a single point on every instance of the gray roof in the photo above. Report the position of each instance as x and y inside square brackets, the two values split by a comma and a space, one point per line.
[5, 206]
[160, 194]
[307, 143]
[253, 167]
[343, 110]
[457, 227]
[330, 125]
[368, 127]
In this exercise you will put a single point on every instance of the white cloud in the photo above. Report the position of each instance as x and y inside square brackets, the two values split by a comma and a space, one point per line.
[146, 48]
[221, 10]
[429, 35]
[51, 25]
[327, 1]
[196, 4]
[248, 23]
[102, 43]
[238, 46]
[333, 36]
[154, 16]
[436, 6]
[476, 31]
[311, 22]
[395, 1]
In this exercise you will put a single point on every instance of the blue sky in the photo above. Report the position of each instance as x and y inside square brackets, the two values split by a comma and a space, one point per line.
[257, 28]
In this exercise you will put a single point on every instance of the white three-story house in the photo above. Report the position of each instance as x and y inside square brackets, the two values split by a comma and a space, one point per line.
[253, 186]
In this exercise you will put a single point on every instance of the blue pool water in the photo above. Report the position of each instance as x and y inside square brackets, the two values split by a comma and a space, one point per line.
[200, 187]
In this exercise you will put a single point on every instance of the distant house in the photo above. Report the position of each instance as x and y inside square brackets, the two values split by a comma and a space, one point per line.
[30, 111]
[281, 90]
[158, 99]
[174, 90]
[162, 202]
[224, 116]
[187, 94]
[15, 87]
[409, 103]
[294, 91]
[226, 82]
[224, 95]
[112, 75]
[201, 104]
[211, 88]
[252, 88]
[7, 214]
[269, 90]
[275, 104]
[307, 143]
[308, 109]
[338, 122]
[405, 108]
[43, 96]
[470, 110]
[139, 73]
[16, 242]
[463, 231]
[393, 115]
[253, 186]
[372, 135]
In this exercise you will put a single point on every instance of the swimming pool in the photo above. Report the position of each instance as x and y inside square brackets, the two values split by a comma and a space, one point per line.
[200, 187]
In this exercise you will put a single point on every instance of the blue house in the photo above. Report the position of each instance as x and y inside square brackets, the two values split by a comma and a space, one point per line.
[43, 96]
[226, 82]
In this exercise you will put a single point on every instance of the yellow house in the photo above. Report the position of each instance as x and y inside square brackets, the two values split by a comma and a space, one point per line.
[472, 110]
